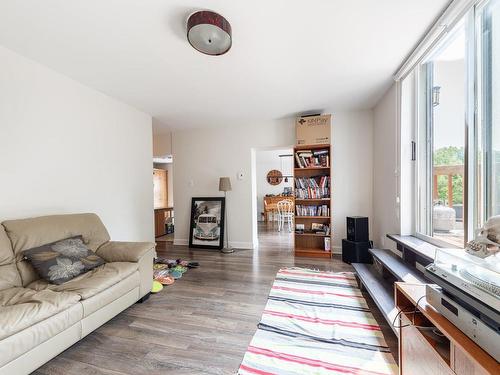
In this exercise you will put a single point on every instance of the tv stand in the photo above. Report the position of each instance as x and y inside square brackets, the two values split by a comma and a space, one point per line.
[423, 352]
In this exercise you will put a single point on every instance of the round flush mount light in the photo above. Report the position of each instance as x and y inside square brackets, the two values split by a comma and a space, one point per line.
[209, 33]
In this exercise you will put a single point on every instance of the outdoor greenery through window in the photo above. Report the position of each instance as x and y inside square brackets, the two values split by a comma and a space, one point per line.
[442, 127]
[458, 129]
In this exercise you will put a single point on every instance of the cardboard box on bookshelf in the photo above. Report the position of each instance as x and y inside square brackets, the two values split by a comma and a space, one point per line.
[313, 130]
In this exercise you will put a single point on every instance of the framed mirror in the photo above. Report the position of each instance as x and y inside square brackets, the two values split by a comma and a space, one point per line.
[274, 177]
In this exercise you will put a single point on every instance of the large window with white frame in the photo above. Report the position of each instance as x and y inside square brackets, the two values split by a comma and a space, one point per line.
[442, 85]
[488, 118]
[457, 166]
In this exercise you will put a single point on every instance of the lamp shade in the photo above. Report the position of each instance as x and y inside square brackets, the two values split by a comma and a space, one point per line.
[224, 184]
[209, 33]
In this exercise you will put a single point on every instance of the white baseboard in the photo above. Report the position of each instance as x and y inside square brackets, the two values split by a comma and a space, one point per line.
[337, 250]
[241, 245]
[235, 244]
[181, 242]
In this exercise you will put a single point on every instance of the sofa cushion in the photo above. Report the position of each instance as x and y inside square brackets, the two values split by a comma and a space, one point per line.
[6, 252]
[26, 234]
[63, 260]
[9, 276]
[20, 308]
[27, 272]
[110, 294]
[22, 342]
[119, 251]
[92, 282]
[29, 233]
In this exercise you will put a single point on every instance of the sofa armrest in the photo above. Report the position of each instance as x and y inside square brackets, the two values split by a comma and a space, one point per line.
[117, 251]
[141, 253]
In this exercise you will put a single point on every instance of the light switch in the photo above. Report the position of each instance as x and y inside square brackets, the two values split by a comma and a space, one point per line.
[240, 175]
[191, 183]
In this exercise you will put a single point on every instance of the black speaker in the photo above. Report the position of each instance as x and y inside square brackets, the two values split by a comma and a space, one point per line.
[357, 228]
[356, 252]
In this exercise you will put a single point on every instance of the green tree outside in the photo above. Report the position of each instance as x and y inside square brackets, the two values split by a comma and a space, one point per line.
[450, 156]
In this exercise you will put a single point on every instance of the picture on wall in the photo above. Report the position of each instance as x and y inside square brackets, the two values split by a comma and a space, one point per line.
[207, 223]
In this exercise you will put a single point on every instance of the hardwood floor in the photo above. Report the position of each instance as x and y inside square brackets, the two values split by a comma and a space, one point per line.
[200, 325]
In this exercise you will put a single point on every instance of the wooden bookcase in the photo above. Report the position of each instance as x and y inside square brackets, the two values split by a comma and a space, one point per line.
[310, 244]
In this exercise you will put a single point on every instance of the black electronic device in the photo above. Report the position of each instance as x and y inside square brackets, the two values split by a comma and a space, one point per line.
[356, 252]
[357, 228]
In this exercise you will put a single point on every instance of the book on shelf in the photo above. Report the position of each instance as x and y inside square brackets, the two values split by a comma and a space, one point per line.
[327, 243]
[314, 182]
[312, 187]
[314, 158]
[311, 210]
[299, 228]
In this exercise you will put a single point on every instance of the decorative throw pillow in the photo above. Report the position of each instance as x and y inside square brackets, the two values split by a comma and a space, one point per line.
[61, 261]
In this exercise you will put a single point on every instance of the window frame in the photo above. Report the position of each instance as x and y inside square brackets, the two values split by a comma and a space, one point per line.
[484, 107]
[476, 195]
[478, 202]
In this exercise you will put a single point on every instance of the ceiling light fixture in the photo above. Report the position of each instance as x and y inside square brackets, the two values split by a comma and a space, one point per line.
[209, 33]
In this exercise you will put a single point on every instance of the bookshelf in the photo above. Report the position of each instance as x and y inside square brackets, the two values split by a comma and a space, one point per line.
[312, 190]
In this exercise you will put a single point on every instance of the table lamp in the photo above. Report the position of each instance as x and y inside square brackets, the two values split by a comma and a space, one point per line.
[225, 186]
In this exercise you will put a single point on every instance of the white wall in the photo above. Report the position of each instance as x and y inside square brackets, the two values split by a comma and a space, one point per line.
[162, 145]
[352, 170]
[202, 156]
[66, 148]
[267, 160]
[385, 163]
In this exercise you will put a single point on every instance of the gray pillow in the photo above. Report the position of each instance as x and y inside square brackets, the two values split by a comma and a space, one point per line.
[63, 260]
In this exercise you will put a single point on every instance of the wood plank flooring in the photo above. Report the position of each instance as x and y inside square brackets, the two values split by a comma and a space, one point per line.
[200, 325]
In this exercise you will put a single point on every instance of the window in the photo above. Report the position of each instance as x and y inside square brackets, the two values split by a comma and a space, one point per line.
[441, 137]
[488, 160]
[457, 85]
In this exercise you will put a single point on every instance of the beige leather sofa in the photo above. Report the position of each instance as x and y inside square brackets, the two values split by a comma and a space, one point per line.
[39, 320]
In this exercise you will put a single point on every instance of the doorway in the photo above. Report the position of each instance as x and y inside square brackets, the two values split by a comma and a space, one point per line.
[273, 183]
[163, 199]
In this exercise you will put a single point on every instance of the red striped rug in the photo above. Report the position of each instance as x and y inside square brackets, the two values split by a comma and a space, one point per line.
[317, 323]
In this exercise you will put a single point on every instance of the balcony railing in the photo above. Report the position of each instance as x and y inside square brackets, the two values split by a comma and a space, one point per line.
[450, 171]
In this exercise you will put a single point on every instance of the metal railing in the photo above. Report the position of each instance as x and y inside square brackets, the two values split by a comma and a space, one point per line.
[449, 171]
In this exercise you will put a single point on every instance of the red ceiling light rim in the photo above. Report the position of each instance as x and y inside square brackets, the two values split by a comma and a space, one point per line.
[211, 18]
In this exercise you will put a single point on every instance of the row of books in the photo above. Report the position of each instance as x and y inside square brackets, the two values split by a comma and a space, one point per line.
[312, 158]
[316, 228]
[322, 210]
[312, 193]
[312, 182]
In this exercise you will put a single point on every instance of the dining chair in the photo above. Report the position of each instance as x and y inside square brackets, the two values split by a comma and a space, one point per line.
[285, 213]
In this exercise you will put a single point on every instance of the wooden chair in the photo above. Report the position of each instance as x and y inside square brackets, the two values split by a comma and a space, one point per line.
[269, 208]
[285, 213]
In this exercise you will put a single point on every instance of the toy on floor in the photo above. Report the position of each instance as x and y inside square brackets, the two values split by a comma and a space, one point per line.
[162, 276]
[174, 262]
[166, 271]
[175, 274]
[165, 280]
[157, 287]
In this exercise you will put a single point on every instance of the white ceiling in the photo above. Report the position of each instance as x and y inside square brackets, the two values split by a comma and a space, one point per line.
[288, 56]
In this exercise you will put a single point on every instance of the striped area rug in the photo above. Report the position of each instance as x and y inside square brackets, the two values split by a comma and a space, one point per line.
[317, 323]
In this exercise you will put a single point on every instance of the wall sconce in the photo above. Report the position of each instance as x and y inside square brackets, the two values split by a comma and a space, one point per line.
[435, 95]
